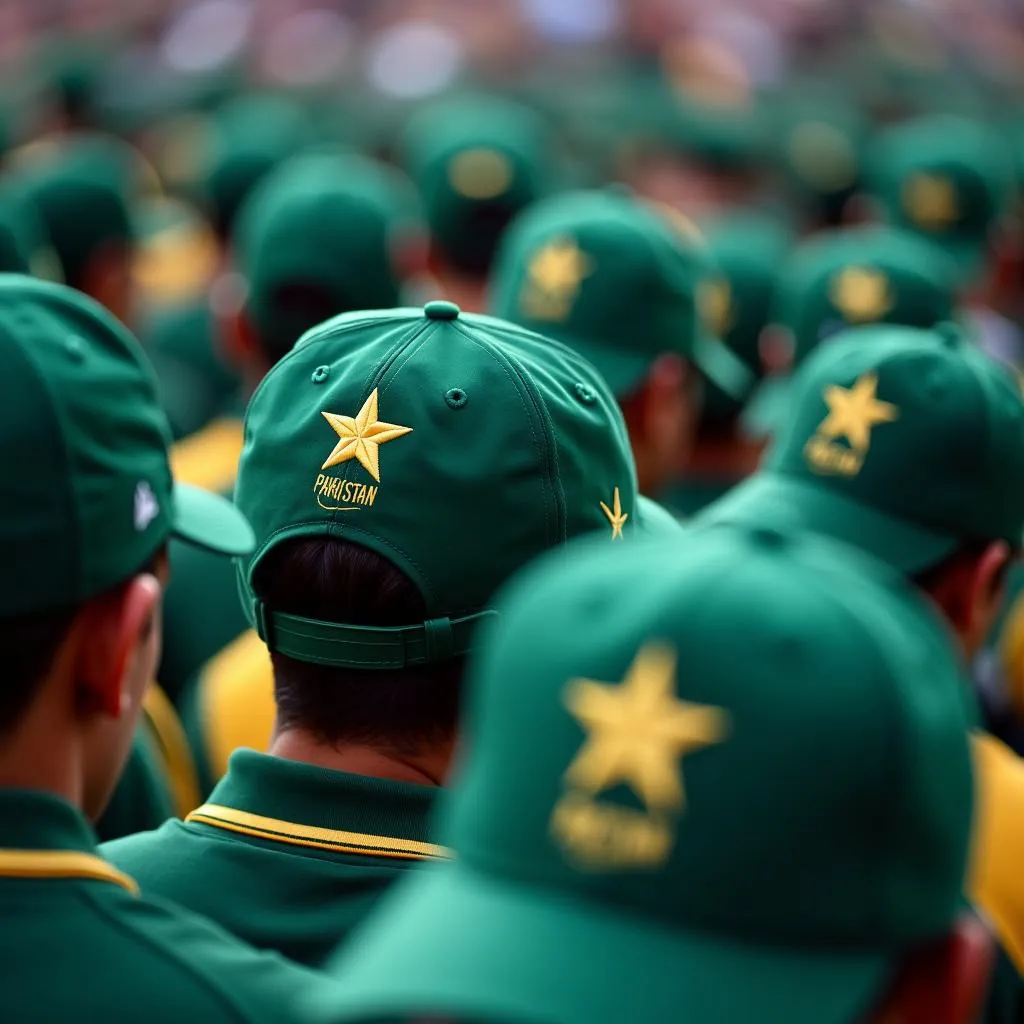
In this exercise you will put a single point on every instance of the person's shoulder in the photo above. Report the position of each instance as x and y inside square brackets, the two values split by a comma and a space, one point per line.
[183, 967]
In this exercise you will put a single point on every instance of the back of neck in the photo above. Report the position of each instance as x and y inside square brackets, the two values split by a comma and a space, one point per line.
[426, 769]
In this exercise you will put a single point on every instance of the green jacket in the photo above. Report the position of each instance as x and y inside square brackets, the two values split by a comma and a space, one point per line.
[288, 856]
[79, 944]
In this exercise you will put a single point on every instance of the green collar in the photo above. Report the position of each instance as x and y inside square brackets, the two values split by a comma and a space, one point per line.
[271, 799]
[43, 837]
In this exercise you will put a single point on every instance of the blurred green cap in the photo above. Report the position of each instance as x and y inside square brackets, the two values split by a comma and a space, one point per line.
[700, 831]
[322, 235]
[903, 441]
[477, 161]
[615, 278]
[946, 178]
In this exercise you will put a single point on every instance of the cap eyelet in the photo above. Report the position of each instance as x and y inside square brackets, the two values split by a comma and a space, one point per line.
[585, 393]
[320, 374]
[456, 398]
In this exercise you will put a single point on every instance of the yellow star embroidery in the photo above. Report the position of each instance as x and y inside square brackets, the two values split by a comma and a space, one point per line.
[559, 267]
[638, 731]
[361, 437]
[861, 294]
[931, 201]
[852, 412]
[615, 515]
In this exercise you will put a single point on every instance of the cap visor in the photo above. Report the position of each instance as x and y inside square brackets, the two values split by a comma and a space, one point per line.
[210, 521]
[781, 502]
[723, 367]
[509, 952]
[766, 410]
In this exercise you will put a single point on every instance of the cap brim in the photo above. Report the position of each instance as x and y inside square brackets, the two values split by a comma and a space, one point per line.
[723, 367]
[781, 502]
[766, 410]
[509, 952]
[211, 522]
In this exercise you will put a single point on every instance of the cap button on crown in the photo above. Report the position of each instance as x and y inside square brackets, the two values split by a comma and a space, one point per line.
[441, 309]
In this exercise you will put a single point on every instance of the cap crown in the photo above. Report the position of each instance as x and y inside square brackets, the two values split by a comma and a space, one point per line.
[457, 447]
[606, 274]
[915, 423]
[675, 775]
[87, 497]
[860, 276]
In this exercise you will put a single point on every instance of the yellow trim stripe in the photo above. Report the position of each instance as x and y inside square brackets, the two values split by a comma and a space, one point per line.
[166, 729]
[308, 835]
[62, 864]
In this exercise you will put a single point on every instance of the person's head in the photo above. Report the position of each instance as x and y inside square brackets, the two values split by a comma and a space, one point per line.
[746, 249]
[948, 179]
[618, 280]
[83, 189]
[324, 234]
[848, 278]
[84, 524]
[701, 830]
[399, 466]
[908, 443]
[476, 161]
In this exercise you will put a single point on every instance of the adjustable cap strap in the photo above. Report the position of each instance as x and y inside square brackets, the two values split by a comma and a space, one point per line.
[370, 647]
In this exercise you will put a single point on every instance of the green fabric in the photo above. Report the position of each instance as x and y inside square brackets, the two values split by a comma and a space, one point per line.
[85, 948]
[902, 441]
[747, 248]
[477, 161]
[24, 247]
[328, 223]
[245, 139]
[379, 428]
[78, 409]
[690, 495]
[202, 614]
[142, 799]
[301, 901]
[614, 278]
[699, 819]
[194, 378]
[947, 178]
[82, 189]
[854, 276]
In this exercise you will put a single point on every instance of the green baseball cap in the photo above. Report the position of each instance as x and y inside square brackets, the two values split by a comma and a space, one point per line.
[328, 222]
[863, 275]
[89, 496]
[457, 447]
[615, 278]
[82, 189]
[477, 161]
[946, 178]
[699, 831]
[24, 247]
[746, 248]
[219, 159]
[903, 441]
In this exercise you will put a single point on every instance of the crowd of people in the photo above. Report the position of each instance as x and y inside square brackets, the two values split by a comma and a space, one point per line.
[538, 544]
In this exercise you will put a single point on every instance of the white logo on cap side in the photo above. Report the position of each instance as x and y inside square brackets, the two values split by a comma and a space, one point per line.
[147, 508]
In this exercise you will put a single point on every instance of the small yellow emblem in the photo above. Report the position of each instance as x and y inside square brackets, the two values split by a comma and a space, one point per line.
[553, 279]
[861, 294]
[852, 414]
[714, 302]
[637, 733]
[480, 173]
[361, 437]
[616, 517]
[930, 201]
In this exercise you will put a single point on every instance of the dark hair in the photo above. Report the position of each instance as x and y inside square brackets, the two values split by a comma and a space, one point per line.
[292, 309]
[29, 644]
[334, 580]
[932, 577]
